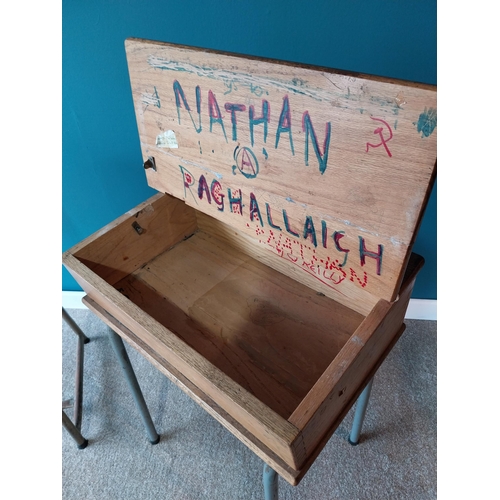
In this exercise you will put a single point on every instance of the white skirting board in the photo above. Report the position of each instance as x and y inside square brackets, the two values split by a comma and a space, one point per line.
[418, 308]
[422, 309]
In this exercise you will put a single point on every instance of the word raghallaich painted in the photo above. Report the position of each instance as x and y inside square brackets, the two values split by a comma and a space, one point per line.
[282, 234]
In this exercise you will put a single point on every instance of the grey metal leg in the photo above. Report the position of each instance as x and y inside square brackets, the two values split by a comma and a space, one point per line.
[74, 432]
[128, 371]
[82, 339]
[78, 401]
[69, 320]
[270, 480]
[360, 413]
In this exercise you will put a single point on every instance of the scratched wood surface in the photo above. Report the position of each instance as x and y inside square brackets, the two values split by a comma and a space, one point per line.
[327, 170]
[272, 335]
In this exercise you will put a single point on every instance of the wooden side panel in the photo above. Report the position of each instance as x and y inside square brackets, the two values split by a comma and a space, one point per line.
[317, 166]
[136, 237]
[342, 379]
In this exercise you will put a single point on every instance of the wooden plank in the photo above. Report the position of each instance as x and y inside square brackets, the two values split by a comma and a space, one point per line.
[270, 334]
[119, 248]
[262, 451]
[310, 162]
[343, 378]
[265, 424]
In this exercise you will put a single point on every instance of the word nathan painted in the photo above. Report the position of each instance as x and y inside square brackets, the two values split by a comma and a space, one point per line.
[247, 162]
[274, 229]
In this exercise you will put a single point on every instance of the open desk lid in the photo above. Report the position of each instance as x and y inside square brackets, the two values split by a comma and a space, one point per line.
[328, 170]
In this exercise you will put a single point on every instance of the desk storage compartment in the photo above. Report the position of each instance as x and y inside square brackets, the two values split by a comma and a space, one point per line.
[282, 360]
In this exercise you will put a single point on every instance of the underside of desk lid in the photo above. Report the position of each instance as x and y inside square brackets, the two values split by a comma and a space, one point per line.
[329, 171]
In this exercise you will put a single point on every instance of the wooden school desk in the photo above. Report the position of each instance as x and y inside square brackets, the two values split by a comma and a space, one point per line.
[270, 276]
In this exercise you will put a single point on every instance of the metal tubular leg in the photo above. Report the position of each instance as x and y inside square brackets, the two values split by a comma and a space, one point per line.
[77, 410]
[69, 320]
[124, 360]
[360, 413]
[270, 480]
[82, 339]
[74, 432]
[78, 402]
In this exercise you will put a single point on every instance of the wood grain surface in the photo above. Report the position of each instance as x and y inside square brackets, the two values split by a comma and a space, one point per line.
[329, 171]
[269, 333]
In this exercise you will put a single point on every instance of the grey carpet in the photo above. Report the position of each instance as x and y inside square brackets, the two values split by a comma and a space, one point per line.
[198, 459]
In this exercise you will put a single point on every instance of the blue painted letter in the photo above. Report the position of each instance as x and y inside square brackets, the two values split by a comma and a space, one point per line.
[287, 224]
[232, 108]
[254, 210]
[234, 202]
[217, 196]
[308, 128]
[203, 188]
[264, 119]
[179, 95]
[214, 112]
[188, 181]
[270, 219]
[285, 123]
[363, 252]
[336, 238]
[309, 230]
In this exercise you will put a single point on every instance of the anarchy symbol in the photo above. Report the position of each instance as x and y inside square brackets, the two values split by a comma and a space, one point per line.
[383, 141]
[246, 162]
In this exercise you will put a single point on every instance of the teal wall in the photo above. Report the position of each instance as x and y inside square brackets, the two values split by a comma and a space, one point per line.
[102, 174]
